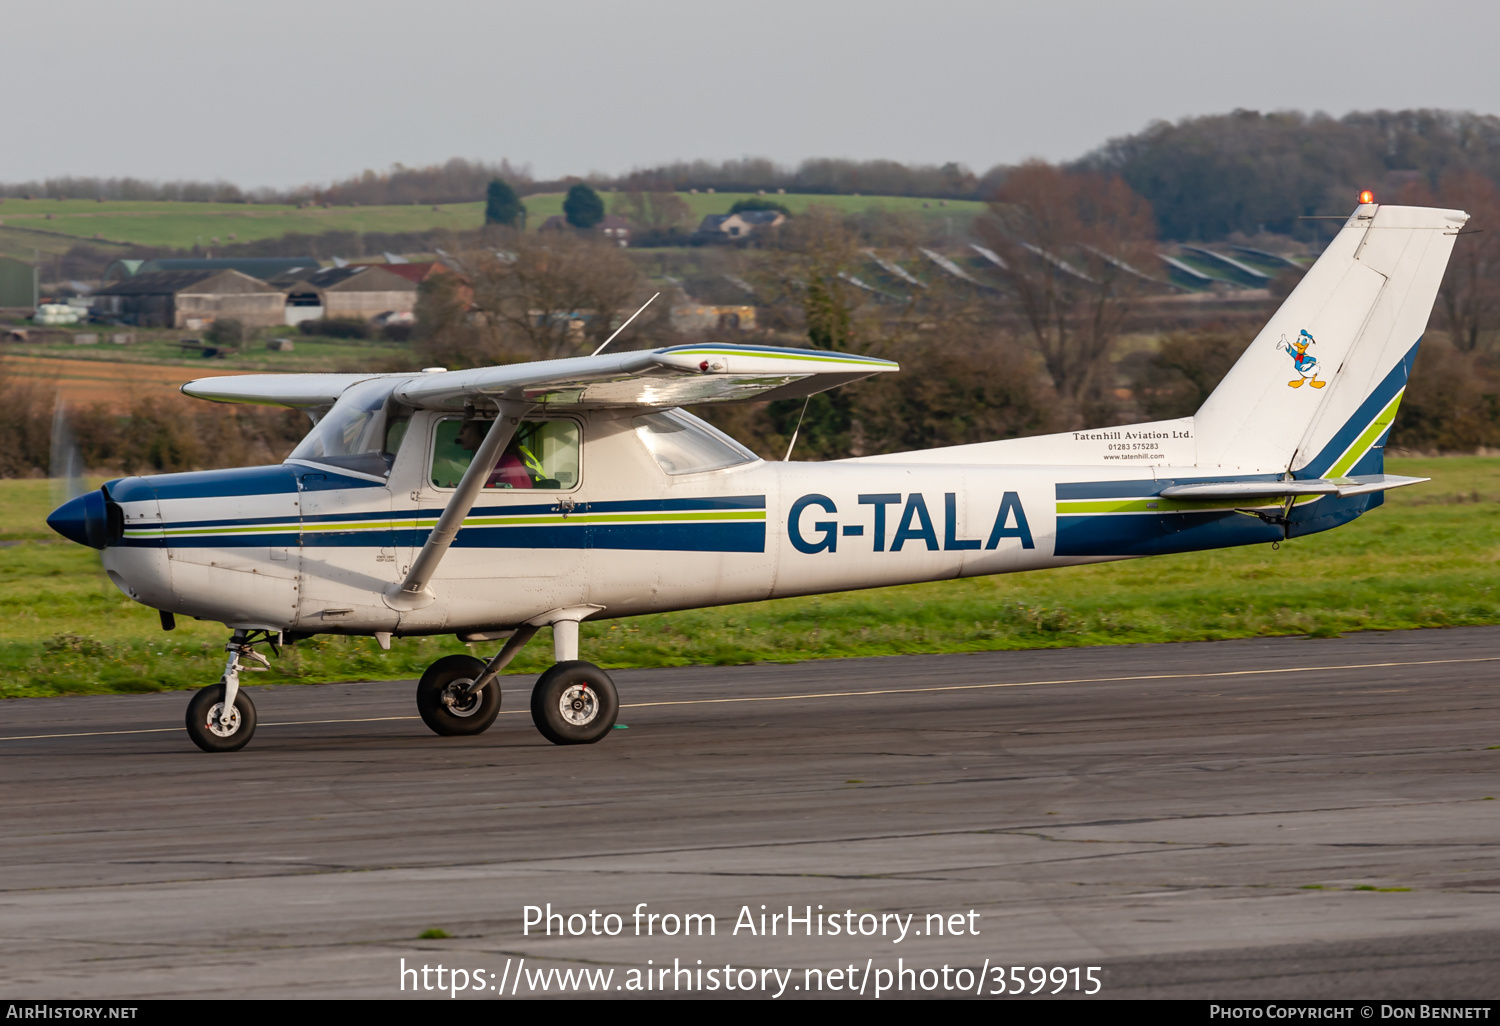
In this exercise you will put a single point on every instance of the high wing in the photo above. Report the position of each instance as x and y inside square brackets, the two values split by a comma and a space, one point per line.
[673, 376]
[298, 391]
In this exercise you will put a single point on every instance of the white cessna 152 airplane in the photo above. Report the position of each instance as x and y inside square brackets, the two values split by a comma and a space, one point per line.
[489, 503]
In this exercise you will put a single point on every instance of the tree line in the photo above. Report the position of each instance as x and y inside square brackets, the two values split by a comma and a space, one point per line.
[1037, 350]
[465, 181]
[1035, 347]
[1248, 172]
[1205, 178]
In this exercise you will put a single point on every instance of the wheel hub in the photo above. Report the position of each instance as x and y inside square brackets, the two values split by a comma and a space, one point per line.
[217, 726]
[459, 700]
[578, 705]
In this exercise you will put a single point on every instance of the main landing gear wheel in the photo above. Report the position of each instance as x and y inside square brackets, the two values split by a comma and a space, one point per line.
[205, 721]
[446, 704]
[574, 703]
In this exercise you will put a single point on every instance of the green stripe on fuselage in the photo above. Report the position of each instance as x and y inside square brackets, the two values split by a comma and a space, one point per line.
[1367, 438]
[685, 516]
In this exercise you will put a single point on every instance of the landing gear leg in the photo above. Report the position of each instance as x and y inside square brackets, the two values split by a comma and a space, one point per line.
[574, 702]
[221, 717]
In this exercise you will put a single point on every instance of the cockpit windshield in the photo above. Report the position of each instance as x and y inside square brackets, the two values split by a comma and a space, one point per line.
[362, 432]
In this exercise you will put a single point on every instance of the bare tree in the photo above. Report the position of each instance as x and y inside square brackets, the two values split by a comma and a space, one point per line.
[1470, 299]
[554, 294]
[810, 276]
[659, 212]
[1073, 244]
[1178, 378]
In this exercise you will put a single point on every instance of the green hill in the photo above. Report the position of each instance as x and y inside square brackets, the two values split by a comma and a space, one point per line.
[53, 225]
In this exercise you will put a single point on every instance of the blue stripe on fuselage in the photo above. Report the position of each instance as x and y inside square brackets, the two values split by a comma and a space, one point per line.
[205, 484]
[280, 479]
[678, 537]
[685, 536]
[1154, 534]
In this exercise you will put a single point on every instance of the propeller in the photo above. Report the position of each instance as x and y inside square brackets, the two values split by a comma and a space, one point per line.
[80, 515]
[66, 458]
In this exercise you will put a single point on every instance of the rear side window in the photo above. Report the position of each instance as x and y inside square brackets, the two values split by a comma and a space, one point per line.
[543, 454]
[682, 444]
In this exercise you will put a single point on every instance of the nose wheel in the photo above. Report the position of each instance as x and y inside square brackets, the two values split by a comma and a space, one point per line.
[213, 731]
[221, 717]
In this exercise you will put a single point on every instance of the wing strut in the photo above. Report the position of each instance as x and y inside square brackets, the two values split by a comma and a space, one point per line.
[413, 593]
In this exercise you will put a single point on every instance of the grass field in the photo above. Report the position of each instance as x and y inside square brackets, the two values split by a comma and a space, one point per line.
[117, 376]
[49, 224]
[1425, 559]
[184, 225]
[105, 371]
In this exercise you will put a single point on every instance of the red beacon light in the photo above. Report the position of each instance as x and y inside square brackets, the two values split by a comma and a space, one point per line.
[1367, 196]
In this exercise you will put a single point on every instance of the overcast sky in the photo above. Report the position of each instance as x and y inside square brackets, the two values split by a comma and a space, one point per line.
[284, 93]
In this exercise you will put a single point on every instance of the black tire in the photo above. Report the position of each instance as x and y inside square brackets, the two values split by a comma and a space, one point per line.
[449, 710]
[588, 692]
[203, 716]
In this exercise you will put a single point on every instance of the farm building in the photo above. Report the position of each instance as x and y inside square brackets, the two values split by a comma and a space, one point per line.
[190, 299]
[263, 268]
[613, 227]
[741, 225]
[359, 291]
[709, 317]
[616, 229]
[418, 272]
[18, 284]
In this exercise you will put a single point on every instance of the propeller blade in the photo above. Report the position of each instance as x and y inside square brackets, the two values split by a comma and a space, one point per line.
[66, 459]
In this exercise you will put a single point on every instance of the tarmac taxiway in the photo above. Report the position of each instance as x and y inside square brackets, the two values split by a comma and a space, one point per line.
[1271, 818]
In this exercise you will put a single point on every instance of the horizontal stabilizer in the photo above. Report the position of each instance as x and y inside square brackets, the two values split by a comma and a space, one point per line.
[1341, 486]
[1235, 490]
[1374, 483]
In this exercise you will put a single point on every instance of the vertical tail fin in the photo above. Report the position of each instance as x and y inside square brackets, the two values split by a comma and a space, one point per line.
[1317, 390]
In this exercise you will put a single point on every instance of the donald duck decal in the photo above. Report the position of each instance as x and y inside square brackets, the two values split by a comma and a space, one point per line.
[1306, 365]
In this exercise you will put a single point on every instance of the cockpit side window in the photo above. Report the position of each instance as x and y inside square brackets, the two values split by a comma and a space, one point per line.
[683, 444]
[362, 432]
[543, 454]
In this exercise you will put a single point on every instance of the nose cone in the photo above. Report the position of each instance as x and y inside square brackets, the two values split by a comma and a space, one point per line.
[84, 520]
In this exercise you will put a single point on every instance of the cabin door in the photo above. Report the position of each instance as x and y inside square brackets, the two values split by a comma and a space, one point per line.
[348, 549]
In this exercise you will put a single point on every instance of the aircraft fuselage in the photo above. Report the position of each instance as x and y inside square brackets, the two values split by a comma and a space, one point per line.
[303, 547]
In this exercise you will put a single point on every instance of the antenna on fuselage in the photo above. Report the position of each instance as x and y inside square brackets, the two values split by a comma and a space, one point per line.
[622, 327]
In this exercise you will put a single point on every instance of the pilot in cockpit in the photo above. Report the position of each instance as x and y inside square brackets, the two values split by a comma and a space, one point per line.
[518, 466]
